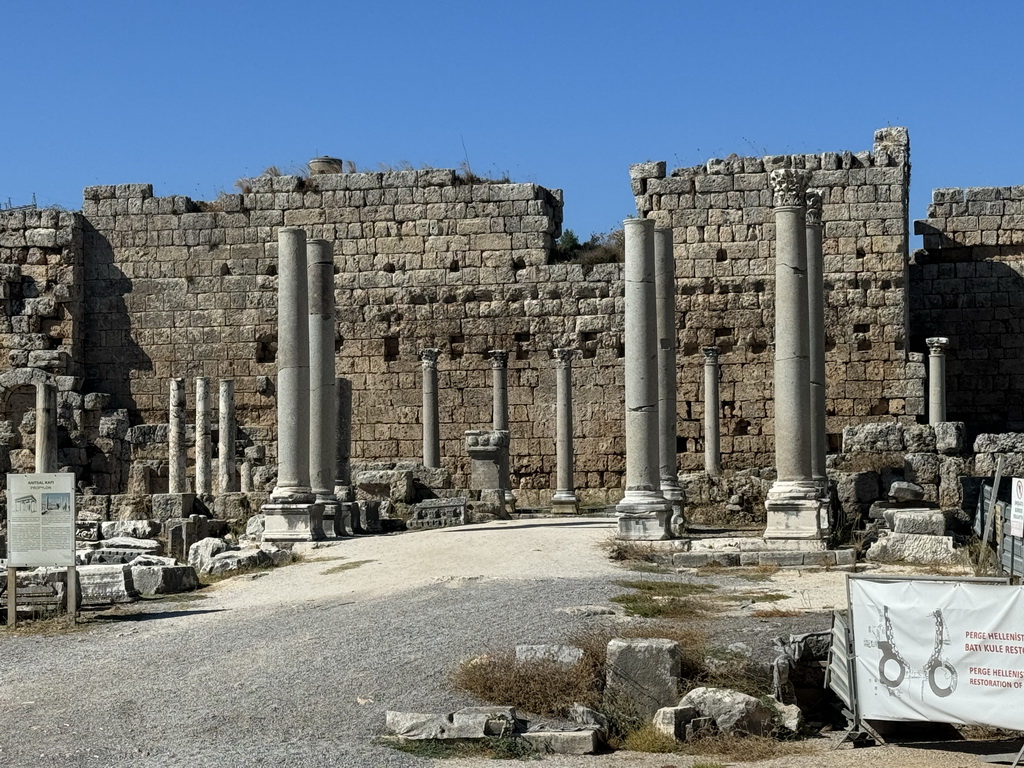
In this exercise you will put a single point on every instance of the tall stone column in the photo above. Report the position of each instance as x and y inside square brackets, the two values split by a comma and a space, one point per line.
[564, 500]
[794, 507]
[323, 404]
[937, 378]
[499, 414]
[431, 419]
[46, 428]
[176, 449]
[712, 407]
[204, 448]
[816, 336]
[292, 513]
[643, 512]
[665, 301]
[343, 490]
[227, 477]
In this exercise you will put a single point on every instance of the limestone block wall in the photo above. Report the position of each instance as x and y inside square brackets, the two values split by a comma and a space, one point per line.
[175, 287]
[967, 284]
[723, 228]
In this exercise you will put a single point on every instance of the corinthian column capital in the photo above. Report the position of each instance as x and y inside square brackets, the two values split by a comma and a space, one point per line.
[813, 199]
[789, 187]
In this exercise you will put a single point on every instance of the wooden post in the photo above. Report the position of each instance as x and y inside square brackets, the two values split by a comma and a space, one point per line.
[72, 587]
[12, 598]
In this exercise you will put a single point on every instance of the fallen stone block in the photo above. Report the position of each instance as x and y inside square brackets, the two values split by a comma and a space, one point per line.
[582, 742]
[238, 560]
[438, 513]
[131, 507]
[926, 523]
[147, 546]
[203, 551]
[886, 437]
[672, 721]
[135, 529]
[393, 484]
[733, 712]
[102, 584]
[417, 725]
[92, 507]
[278, 556]
[563, 654]
[643, 675]
[950, 437]
[913, 548]
[901, 490]
[170, 505]
[480, 722]
[152, 580]
[587, 716]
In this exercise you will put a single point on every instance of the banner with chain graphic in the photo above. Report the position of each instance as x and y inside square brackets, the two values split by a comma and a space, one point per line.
[939, 651]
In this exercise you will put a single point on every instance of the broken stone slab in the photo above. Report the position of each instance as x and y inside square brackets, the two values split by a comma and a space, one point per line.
[254, 527]
[203, 551]
[92, 507]
[672, 721]
[643, 674]
[733, 712]
[466, 723]
[153, 560]
[901, 490]
[912, 548]
[587, 716]
[102, 584]
[238, 560]
[562, 654]
[148, 546]
[152, 580]
[582, 742]
[926, 523]
[439, 513]
[135, 529]
[87, 530]
[278, 556]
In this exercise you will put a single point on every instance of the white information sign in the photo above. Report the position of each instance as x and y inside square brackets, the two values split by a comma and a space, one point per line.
[41, 520]
[1017, 508]
[946, 652]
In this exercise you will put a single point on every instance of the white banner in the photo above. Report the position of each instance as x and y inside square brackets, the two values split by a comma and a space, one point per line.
[1017, 508]
[948, 652]
[41, 520]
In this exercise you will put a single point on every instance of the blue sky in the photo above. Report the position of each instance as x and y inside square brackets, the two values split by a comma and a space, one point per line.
[190, 96]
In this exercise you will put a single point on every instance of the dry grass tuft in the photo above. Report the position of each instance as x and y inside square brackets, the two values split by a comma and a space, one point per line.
[345, 567]
[649, 739]
[747, 749]
[747, 573]
[774, 613]
[541, 687]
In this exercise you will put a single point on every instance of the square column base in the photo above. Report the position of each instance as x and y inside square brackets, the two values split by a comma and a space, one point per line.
[796, 510]
[644, 516]
[293, 522]
[565, 503]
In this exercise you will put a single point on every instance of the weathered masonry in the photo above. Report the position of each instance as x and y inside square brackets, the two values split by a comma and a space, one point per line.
[109, 303]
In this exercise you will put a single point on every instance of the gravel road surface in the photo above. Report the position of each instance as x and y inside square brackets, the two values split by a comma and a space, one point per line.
[296, 666]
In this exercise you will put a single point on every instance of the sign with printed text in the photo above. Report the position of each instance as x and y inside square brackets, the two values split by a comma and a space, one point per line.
[1017, 508]
[945, 652]
[41, 520]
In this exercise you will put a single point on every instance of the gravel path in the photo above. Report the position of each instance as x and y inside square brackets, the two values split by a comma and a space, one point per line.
[296, 666]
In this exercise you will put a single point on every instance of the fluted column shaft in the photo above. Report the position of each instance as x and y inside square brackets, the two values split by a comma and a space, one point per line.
[565, 491]
[499, 411]
[204, 448]
[176, 449]
[227, 477]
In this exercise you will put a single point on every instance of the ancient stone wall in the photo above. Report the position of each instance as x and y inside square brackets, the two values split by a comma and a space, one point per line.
[723, 227]
[423, 259]
[967, 284]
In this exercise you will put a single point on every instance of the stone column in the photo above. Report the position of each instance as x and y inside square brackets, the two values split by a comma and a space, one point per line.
[323, 404]
[816, 336]
[292, 513]
[665, 300]
[643, 512]
[227, 477]
[343, 490]
[176, 448]
[204, 448]
[564, 500]
[499, 414]
[936, 378]
[431, 419]
[46, 428]
[794, 507]
[712, 406]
